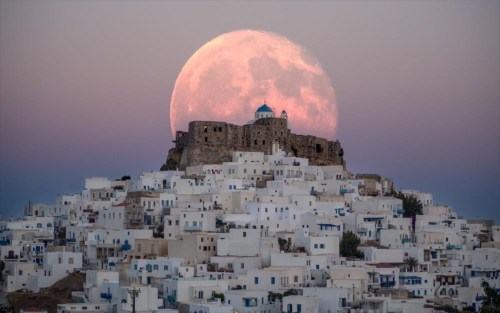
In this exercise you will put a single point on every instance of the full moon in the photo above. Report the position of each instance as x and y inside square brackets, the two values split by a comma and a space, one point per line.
[232, 75]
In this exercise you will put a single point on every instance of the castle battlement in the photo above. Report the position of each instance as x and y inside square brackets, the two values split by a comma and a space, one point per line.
[212, 142]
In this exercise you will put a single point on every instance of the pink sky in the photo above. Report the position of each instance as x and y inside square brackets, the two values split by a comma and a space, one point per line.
[85, 88]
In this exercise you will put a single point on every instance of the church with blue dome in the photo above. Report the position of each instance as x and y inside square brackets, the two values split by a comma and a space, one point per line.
[264, 111]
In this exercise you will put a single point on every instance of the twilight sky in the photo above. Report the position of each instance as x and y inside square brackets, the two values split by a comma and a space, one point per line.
[85, 89]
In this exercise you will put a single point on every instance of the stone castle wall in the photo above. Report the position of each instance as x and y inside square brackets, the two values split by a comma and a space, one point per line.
[209, 142]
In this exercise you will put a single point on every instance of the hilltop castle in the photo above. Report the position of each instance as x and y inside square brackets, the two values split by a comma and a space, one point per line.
[210, 142]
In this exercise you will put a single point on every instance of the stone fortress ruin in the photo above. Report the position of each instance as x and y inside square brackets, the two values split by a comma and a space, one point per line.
[210, 142]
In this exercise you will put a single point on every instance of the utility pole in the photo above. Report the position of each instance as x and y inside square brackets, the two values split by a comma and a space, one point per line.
[134, 293]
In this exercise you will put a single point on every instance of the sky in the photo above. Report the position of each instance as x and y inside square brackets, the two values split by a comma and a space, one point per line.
[85, 88]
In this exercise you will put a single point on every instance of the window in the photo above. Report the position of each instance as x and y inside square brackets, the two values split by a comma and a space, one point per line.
[70, 260]
[244, 234]
[322, 246]
[155, 267]
[20, 272]
[273, 280]
[242, 265]
[165, 267]
[256, 280]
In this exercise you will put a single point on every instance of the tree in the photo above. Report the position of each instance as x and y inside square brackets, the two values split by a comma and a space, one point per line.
[158, 233]
[491, 302]
[284, 246]
[6, 308]
[411, 205]
[411, 263]
[349, 245]
[273, 296]
[220, 296]
[291, 292]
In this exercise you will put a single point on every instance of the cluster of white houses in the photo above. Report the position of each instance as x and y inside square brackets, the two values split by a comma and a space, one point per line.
[259, 234]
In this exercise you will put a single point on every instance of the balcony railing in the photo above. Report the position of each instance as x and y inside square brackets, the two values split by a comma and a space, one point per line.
[171, 300]
[106, 296]
[387, 284]
[193, 228]
[220, 269]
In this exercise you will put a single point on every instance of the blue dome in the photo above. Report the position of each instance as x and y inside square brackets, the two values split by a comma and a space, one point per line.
[264, 108]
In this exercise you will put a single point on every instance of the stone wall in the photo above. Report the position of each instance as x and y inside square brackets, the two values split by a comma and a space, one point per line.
[209, 142]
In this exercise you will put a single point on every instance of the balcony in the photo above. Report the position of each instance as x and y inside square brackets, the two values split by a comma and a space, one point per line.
[453, 247]
[215, 268]
[343, 191]
[193, 228]
[406, 240]
[387, 284]
[71, 240]
[11, 257]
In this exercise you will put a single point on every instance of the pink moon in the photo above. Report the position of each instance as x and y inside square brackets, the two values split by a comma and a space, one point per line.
[232, 75]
